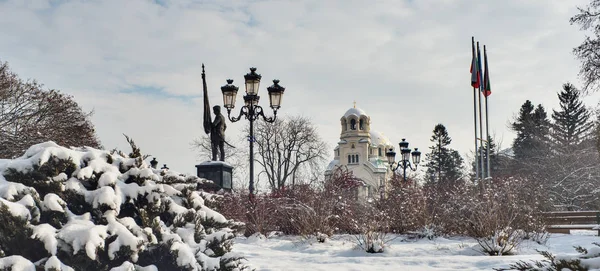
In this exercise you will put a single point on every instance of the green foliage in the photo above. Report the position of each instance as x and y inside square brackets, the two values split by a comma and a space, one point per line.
[160, 256]
[444, 165]
[233, 263]
[551, 263]
[532, 127]
[15, 237]
[155, 210]
[572, 123]
[40, 177]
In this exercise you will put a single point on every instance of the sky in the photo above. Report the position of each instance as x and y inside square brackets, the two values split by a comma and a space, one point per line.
[137, 63]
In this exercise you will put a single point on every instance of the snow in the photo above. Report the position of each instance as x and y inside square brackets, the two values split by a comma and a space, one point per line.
[53, 263]
[47, 234]
[124, 237]
[214, 163]
[185, 255]
[10, 190]
[452, 253]
[16, 209]
[81, 233]
[128, 266]
[53, 202]
[16, 263]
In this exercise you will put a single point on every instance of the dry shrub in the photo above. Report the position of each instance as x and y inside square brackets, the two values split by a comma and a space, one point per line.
[405, 206]
[503, 214]
[303, 210]
[372, 227]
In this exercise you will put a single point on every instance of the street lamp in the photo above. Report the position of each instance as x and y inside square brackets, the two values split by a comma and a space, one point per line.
[251, 110]
[405, 158]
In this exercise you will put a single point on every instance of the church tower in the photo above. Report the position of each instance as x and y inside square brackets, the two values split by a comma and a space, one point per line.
[362, 151]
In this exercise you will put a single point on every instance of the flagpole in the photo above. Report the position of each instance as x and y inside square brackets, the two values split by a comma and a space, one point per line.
[480, 118]
[475, 114]
[475, 123]
[487, 123]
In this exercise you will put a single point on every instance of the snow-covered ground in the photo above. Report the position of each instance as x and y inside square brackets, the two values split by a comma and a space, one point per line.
[457, 253]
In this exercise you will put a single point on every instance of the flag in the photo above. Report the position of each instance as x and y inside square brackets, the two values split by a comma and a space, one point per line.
[487, 88]
[207, 123]
[479, 75]
[475, 81]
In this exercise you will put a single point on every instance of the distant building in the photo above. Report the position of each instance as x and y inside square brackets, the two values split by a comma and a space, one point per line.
[362, 151]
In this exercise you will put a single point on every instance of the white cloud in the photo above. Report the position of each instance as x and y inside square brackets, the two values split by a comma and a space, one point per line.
[404, 62]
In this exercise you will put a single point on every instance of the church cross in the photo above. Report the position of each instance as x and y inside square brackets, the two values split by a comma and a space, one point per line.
[355, 104]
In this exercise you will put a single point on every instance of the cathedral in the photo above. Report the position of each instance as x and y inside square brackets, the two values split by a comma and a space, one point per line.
[362, 151]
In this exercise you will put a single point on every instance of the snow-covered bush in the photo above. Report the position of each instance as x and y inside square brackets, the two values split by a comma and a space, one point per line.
[313, 212]
[90, 209]
[405, 206]
[372, 241]
[373, 228]
[589, 259]
[429, 231]
[503, 214]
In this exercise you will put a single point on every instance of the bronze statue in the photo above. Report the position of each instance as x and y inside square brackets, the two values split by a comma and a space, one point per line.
[217, 134]
[216, 128]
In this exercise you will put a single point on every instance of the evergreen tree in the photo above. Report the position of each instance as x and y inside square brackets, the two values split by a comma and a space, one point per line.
[572, 124]
[494, 161]
[532, 127]
[88, 209]
[444, 165]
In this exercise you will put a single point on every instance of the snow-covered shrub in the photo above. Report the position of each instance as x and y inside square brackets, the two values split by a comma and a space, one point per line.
[90, 209]
[429, 231]
[501, 241]
[447, 207]
[500, 216]
[373, 228]
[313, 212]
[372, 241]
[589, 259]
[406, 206]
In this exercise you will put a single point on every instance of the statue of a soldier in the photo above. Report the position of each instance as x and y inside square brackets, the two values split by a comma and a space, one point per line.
[217, 134]
[216, 128]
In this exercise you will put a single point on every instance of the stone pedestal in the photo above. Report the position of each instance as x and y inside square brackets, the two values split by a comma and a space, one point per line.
[216, 171]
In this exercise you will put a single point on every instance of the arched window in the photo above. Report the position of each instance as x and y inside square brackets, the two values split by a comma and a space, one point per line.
[361, 124]
[349, 159]
[353, 124]
[357, 158]
[344, 125]
[379, 151]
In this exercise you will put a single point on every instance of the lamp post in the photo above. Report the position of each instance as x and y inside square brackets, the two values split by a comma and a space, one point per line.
[405, 158]
[251, 110]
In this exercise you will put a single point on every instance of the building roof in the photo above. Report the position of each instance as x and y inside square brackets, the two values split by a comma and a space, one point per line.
[378, 139]
[356, 112]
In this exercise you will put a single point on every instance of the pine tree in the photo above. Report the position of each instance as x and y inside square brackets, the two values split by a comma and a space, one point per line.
[572, 124]
[532, 128]
[494, 161]
[89, 209]
[444, 165]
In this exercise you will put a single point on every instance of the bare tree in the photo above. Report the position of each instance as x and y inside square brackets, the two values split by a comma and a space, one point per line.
[236, 156]
[588, 19]
[30, 115]
[289, 150]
